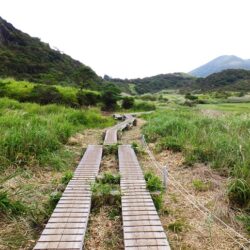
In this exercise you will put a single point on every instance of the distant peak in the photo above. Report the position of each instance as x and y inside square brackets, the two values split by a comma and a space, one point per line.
[219, 64]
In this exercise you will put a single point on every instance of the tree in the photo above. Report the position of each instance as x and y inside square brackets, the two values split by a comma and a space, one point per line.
[128, 102]
[87, 97]
[191, 97]
[110, 96]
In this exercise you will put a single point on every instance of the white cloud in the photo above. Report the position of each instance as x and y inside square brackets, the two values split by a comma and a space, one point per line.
[136, 38]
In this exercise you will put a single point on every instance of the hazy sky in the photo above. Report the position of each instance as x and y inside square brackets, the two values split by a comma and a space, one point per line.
[136, 38]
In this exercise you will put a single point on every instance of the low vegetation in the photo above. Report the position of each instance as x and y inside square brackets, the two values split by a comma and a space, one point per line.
[222, 141]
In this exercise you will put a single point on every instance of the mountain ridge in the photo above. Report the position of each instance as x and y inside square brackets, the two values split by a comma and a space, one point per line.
[27, 58]
[219, 64]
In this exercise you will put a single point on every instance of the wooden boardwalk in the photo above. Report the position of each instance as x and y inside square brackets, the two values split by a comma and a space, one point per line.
[111, 133]
[67, 226]
[141, 224]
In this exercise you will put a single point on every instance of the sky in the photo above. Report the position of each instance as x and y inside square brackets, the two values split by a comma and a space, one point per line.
[136, 38]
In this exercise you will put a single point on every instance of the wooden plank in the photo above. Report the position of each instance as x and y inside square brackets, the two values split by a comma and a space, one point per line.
[67, 226]
[141, 224]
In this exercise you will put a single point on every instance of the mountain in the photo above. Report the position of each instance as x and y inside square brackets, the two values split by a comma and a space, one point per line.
[230, 79]
[219, 64]
[154, 84]
[27, 58]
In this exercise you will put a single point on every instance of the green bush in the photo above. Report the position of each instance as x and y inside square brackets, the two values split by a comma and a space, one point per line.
[154, 183]
[144, 106]
[88, 98]
[128, 102]
[45, 95]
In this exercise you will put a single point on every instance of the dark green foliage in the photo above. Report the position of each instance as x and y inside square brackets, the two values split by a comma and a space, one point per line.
[128, 102]
[110, 96]
[9, 206]
[156, 83]
[191, 97]
[27, 58]
[45, 95]
[86, 98]
[67, 177]
[231, 79]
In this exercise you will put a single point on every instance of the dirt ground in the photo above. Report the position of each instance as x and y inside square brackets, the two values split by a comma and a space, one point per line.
[185, 226]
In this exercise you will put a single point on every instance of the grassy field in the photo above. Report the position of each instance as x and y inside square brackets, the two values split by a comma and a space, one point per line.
[221, 141]
[237, 107]
[35, 164]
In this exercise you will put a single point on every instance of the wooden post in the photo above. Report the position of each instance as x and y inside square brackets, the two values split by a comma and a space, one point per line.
[165, 177]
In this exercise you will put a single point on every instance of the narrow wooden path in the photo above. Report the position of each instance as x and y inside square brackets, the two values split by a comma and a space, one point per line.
[141, 224]
[68, 223]
[111, 133]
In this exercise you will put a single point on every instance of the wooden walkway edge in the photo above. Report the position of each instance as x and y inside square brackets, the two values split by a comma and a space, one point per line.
[67, 226]
[111, 133]
[142, 227]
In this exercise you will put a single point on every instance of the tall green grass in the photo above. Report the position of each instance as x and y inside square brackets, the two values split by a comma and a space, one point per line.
[223, 142]
[34, 134]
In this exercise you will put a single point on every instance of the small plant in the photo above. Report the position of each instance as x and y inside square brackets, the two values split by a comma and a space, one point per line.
[105, 194]
[67, 177]
[199, 185]
[10, 207]
[114, 213]
[239, 191]
[246, 221]
[177, 226]
[53, 200]
[158, 200]
[111, 149]
[153, 182]
[109, 178]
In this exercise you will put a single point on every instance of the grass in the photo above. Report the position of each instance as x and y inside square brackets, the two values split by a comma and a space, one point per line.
[34, 135]
[236, 107]
[36, 164]
[200, 185]
[223, 142]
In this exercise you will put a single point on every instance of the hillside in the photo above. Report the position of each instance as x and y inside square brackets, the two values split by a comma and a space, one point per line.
[154, 83]
[231, 79]
[27, 58]
[219, 64]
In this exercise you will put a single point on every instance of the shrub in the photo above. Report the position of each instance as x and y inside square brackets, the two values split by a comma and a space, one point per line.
[45, 95]
[110, 95]
[127, 102]
[86, 98]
